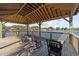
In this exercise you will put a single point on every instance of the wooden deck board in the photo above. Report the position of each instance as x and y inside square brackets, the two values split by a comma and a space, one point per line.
[43, 51]
[9, 45]
[68, 50]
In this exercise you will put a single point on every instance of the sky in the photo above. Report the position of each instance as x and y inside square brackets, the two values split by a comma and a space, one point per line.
[54, 23]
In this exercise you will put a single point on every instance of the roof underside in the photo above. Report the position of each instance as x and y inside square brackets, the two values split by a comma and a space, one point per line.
[30, 13]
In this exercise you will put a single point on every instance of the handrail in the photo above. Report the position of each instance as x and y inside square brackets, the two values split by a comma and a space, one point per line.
[44, 32]
[76, 36]
[75, 42]
[56, 32]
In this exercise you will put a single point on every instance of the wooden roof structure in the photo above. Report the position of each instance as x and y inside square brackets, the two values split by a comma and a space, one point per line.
[29, 13]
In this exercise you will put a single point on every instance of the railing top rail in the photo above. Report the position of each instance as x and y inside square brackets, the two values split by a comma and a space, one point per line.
[76, 36]
[57, 32]
[45, 32]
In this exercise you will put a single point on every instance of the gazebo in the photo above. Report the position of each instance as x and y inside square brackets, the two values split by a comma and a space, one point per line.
[30, 13]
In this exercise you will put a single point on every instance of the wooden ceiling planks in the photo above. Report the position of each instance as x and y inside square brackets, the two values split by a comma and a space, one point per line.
[17, 19]
[7, 9]
[30, 13]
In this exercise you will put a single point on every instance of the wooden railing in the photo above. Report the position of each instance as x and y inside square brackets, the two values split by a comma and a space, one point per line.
[75, 42]
[44, 34]
[48, 35]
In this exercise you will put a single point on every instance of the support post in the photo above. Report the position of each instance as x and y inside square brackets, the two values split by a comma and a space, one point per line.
[39, 40]
[1, 34]
[70, 28]
[40, 30]
[27, 29]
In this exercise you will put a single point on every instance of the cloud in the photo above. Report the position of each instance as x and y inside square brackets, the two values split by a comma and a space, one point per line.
[11, 24]
[50, 23]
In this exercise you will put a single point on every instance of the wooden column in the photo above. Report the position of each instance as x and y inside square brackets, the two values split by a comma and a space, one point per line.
[27, 29]
[39, 39]
[70, 28]
[40, 30]
[1, 30]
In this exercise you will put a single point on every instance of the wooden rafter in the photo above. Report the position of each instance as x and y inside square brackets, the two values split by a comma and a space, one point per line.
[21, 8]
[35, 10]
[66, 19]
[74, 9]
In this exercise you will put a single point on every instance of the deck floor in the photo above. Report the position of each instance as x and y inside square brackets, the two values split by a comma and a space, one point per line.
[42, 51]
[9, 45]
[67, 50]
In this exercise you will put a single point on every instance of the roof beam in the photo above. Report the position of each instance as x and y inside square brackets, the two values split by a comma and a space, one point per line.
[74, 9]
[21, 8]
[66, 19]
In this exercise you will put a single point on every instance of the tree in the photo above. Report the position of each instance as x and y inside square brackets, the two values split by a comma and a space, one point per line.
[50, 28]
[65, 28]
[34, 27]
[62, 28]
[57, 28]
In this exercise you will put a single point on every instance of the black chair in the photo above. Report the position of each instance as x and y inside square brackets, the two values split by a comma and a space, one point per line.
[54, 47]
